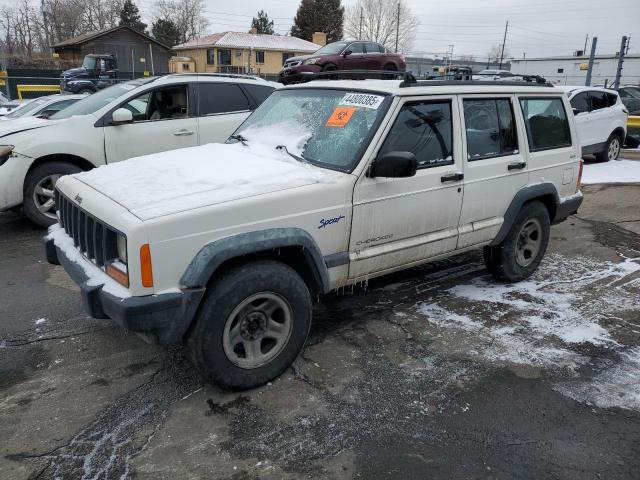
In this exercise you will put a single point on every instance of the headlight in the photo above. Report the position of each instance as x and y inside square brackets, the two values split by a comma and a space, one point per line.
[121, 242]
[310, 61]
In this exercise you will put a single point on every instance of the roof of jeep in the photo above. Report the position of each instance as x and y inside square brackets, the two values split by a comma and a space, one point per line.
[435, 87]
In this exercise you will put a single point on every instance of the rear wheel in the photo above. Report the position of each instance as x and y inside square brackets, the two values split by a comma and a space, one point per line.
[38, 204]
[390, 68]
[522, 250]
[253, 323]
[612, 150]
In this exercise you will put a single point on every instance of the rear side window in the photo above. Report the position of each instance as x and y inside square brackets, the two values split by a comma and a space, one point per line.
[371, 47]
[581, 102]
[490, 128]
[259, 92]
[612, 99]
[546, 122]
[424, 129]
[217, 98]
[598, 100]
[357, 47]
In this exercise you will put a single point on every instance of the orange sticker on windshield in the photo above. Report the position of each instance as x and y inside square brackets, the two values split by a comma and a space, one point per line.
[340, 117]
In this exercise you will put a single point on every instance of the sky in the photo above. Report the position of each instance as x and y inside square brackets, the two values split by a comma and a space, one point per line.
[536, 28]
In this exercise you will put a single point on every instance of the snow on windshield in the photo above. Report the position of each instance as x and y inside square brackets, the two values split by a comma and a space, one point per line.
[180, 180]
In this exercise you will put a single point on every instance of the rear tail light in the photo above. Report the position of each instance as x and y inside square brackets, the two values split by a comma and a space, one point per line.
[579, 182]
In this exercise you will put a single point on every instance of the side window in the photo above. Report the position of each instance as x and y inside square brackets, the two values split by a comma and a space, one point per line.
[612, 99]
[490, 128]
[217, 98]
[581, 102]
[139, 106]
[371, 47]
[546, 122]
[160, 104]
[259, 92]
[357, 48]
[425, 129]
[598, 100]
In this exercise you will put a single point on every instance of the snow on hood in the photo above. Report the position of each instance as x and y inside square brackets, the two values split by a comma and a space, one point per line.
[17, 125]
[169, 182]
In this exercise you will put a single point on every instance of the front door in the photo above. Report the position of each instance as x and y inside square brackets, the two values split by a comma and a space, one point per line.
[403, 221]
[355, 60]
[495, 167]
[162, 120]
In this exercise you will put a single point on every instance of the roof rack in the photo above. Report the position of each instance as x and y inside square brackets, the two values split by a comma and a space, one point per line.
[222, 75]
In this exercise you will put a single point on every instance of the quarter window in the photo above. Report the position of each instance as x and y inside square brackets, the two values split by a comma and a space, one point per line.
[546, 122]
[259, 92]
[490, 128]
[598, 100]
[424, 129]
[217, 98]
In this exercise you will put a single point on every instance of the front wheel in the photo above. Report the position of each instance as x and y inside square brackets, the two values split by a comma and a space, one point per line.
[38, 204]
[253, 323]
[520, 253]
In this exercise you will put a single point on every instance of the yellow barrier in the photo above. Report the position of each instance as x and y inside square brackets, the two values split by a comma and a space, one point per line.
[633, 122]
[36, 88]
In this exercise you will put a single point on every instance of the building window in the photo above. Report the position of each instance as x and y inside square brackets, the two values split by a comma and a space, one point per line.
[224, 57]
[286, 56]
[259, 56]
[211, 56]
[185, 67]
[561, 70]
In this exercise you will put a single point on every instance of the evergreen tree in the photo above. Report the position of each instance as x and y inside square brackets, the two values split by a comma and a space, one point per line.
[166, 31]
[319, 16]
[262, 24]
[130, 17]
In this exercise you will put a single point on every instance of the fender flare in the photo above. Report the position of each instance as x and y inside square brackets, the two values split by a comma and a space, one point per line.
[531, 192]
[214, 254]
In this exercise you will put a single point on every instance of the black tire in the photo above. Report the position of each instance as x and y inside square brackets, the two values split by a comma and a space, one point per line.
[36, 177]
[606, 155]
[330, 67]
[206, 339]
[390, 68]
[504, 262]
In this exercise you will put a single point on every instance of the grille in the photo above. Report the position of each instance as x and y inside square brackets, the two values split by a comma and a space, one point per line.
[94, 239]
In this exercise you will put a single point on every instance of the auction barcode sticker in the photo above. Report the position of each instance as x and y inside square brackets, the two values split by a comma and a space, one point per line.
[365, 100]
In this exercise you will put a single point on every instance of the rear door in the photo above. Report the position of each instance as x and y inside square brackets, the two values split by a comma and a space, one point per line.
[402, 221]
[494, 165]
[602, 117]
[221, 107]
[374, 58]
[163, 119]
[581, 103]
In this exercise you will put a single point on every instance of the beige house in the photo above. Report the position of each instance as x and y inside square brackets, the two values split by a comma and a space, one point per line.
[236, 52]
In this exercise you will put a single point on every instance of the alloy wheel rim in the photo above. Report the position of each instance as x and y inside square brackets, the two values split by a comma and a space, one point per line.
[614, 149]
[528, 242]
[43, 195]
[257, 330]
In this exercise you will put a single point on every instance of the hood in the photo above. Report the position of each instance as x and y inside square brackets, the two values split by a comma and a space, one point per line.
[22, 124]
[179, 180]
[75, 72]
[299, 58]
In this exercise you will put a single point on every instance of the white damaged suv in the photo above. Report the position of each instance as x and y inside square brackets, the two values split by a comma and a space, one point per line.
[326, 184]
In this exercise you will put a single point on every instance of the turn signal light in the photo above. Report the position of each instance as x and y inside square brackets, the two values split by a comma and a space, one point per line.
[145, 266]
[118, 275]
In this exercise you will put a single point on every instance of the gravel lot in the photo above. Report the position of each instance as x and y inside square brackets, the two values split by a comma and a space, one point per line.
[436, 372]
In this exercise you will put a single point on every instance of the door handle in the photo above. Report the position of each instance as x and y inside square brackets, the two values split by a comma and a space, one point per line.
[452, 177]
[516, 166]
[183, 133]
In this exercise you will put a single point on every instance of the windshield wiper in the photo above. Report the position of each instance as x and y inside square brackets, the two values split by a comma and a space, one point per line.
[292, 155]
[239, 138]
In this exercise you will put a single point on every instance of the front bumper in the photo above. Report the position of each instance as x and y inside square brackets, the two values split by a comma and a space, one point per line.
[297, 74]
[162, 318]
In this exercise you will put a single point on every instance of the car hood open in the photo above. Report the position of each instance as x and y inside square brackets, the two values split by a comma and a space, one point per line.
[179, 180]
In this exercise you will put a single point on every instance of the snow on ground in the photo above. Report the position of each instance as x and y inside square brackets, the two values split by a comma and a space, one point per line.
[543, 322]
[188, 178]
[619, 171]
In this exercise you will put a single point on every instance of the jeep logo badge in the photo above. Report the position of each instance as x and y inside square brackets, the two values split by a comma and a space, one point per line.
[78, 198]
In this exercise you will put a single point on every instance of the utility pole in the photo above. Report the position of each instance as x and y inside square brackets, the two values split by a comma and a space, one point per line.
[361, 17]
[594, 42]
[398, 27]
[584, 50]
[623, 48]
[504, 40]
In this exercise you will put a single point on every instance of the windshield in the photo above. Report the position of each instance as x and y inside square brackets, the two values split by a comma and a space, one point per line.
[24, 109]
[329, 128]
[631, 92]
[95, 101]
[332, 48]
[89, 63]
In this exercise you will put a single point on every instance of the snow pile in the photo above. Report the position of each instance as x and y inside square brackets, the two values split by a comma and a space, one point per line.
[188, 178]
[620, 171]
[95, 276]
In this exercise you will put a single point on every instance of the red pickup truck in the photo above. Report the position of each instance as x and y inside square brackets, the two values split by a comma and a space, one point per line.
[343, 55]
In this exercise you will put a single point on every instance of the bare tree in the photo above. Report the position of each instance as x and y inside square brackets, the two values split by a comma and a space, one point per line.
[495, 52]
[377, 20]
[187, 15]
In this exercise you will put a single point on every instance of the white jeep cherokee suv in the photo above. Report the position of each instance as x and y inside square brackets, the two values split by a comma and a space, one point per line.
[326, 184]
[126, 120]
[601, 121]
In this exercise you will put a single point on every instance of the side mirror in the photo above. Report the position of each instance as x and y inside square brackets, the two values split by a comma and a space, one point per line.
[394, 165]
[121, 115]
[346, 52]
